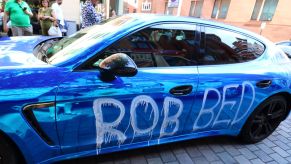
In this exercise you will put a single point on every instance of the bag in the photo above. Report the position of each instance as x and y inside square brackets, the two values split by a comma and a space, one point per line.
[54, 31]
[9, 24]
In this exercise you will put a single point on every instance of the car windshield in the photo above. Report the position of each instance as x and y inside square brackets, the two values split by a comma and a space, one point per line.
[69, 46]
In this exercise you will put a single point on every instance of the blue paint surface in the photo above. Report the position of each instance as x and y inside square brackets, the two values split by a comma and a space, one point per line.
[92, 117]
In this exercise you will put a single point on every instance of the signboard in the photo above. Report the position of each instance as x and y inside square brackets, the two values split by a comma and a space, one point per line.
[173, 3]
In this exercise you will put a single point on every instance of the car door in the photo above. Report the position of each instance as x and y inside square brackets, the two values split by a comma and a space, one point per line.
[131, 111]
[229, 80]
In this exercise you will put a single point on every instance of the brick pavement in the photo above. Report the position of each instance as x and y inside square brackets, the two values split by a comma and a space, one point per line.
[276, 149]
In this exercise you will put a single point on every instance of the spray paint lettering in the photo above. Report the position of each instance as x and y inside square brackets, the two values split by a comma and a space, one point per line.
[203, 112]
[170, 120]
[146, 101]
[106, 131]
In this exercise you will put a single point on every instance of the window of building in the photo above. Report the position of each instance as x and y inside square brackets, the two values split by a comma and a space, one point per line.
[126, 10]
[168, 10]
[146, 6]
[220, 9]
[226, 47]
[257, 9]
[196, 8]
[267, 13]
[269, 10]
[159, 46]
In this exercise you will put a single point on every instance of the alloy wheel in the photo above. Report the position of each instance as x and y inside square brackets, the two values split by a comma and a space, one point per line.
[268, 119]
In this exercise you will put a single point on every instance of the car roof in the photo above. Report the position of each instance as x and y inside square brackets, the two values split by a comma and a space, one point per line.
[131, 22]
[155, 18]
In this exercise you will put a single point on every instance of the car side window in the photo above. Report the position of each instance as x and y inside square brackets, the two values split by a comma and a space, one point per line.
[159, 46]
[221, 46]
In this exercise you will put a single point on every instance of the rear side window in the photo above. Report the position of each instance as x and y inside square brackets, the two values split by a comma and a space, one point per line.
[220, 46]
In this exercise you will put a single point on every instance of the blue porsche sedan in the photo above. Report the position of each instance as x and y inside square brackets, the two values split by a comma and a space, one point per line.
[136, 81]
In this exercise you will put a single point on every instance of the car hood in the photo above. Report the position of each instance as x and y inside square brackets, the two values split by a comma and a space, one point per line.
[18, 51]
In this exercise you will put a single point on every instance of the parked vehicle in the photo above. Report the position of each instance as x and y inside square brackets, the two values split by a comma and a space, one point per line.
[284, 43]
[285, 46]
[136, 81]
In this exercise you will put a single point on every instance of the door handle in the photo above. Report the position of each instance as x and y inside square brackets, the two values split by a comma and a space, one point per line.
[181, 90]
[264, 83]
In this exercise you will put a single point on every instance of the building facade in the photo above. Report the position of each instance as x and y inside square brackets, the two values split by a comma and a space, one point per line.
[247, 14]
[273, 11]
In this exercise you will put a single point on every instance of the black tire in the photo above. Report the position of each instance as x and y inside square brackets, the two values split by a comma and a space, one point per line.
[264, 120]
[8, 155]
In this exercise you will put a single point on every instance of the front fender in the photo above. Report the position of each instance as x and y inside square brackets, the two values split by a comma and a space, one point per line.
[33, 148]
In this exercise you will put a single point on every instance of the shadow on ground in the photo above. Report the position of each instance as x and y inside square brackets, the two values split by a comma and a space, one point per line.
[141, 154]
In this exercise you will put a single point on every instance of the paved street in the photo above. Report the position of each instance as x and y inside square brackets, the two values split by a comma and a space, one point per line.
[215, 150]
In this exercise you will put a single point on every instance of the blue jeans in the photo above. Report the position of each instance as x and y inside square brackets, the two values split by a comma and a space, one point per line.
[62, 28]
[21, 31]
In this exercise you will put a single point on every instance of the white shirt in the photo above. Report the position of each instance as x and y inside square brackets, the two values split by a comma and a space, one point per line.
[59, 13]
[1, 17]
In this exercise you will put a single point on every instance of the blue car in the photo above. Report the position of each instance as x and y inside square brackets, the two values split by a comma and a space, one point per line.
[136, 81]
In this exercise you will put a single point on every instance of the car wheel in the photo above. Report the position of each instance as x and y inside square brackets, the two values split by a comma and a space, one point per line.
[7, 152]
[264, 120]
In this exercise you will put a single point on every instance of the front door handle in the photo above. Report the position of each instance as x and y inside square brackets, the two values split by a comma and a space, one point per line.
[264, 83]
[181, 90]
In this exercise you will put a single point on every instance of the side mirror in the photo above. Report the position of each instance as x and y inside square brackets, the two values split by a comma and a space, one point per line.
[118, 64]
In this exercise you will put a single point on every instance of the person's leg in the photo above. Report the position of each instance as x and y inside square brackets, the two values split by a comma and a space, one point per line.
[16, 31]
[60, 26]
[27, 31]
[9, 33]
[45, 29]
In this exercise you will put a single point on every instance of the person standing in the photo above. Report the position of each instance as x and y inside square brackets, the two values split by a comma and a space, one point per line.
[19, 13]
[90, 16]
[1, 21]
[113, 13]
[46, 16]
[56, 6]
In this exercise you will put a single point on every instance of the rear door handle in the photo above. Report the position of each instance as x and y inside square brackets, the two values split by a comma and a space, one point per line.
[181, 90]
[264, 83]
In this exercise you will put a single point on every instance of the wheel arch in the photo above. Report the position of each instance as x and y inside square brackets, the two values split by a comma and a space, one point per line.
[6, 138]
[244, 133]
[287, 96]
[23, 138]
